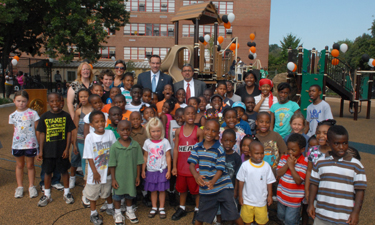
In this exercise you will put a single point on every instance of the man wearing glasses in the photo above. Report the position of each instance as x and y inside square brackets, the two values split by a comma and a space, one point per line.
[192, 87]
[155, 79]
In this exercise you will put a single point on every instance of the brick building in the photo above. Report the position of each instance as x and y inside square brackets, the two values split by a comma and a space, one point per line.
[150, 31]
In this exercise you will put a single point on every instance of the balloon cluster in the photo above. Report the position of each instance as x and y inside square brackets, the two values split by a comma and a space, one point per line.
[370, 61]
[228, 20]
[336, 48]
[252, 45]
[15, 60]
[205, 39]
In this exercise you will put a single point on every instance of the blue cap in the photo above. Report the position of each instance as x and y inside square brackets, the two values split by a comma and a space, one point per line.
[239, 104]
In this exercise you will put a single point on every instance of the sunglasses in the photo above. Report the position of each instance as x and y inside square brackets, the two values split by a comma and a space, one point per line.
[121, 68]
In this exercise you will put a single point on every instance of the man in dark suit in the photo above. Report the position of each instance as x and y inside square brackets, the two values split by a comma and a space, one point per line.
[192, 87]
[155, 79]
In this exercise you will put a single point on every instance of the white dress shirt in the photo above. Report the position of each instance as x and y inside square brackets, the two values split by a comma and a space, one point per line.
[191, 86]
[157, 77]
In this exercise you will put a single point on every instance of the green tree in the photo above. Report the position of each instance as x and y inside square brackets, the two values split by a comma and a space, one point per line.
[290, 41]
[52, 27]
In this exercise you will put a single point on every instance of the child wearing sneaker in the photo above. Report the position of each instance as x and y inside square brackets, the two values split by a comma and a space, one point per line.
[157, 157]
[96, 151]
[185, 139]
[125, 161]
[25, 143]
[55, 131]
[216, 188]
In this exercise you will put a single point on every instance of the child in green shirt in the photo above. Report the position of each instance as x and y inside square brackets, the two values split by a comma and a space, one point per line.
[115, 115]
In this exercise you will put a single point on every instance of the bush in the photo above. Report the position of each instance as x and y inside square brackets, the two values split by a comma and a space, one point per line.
[5, 101]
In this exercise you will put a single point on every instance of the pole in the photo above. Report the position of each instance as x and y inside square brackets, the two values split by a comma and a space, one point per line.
[325, 73]
[356, 100]
[369, 95]
[299, 72]
[196, 41]
[176, 33]
[215, 47]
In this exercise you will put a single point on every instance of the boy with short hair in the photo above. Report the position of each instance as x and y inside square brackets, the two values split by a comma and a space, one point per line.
[106, 77]
[168, 92]
[255, 183]
[292, 172]
[230, 92]
[317, 111]
[55, 129]
[136, 104]
[115, 117]
[251, 114]
[97, 104]
[96, 151]
[138, 133]
[119, 101]
[208, 94]
[186, 137]
[125, 161]
[216, 187]
[242, 125]
[128, 82]
[337, 182]
[112, 93]
[146, 96]
[181, 97]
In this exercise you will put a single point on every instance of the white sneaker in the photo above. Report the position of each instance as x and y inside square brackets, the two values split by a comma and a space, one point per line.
[85, 202]
[19, 192]
[119, 219]
[130, 215]
[72, 182]
[33, 193]
[58, 186]
[104, 206]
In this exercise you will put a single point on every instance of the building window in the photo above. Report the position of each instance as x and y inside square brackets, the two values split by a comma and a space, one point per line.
[188, 30]
[224, 7]
[107, 52]
[149, 29]
[150, 5]
[71, 76]
[191, 2]
[140, 53]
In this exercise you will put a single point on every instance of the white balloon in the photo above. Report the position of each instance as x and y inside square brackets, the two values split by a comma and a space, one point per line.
[207, 38]
[231, 17]
[14, 62]
[290, 66]
[343, 47]
[217, 43]
[370, 62]
[255, 55]
[113, 58]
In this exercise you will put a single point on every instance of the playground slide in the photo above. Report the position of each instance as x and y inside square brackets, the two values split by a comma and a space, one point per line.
[171, 61]
[339, 89]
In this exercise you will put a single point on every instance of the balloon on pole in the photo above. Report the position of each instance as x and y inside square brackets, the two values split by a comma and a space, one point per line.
[290, 66]
[335, 61]
[253, 49]
[365, 57]
[207, 38]
[231, 17]
[371, 62]
[335, 53]
[220, 39]
[14, 62]
[343, 47]
[227, 25]
[225, 18]
[295, 67]
[252, 36]
[201, 39]
[336, 46]
[16, 58]
[251, 56]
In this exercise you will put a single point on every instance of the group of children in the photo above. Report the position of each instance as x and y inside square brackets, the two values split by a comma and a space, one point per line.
[235, 158]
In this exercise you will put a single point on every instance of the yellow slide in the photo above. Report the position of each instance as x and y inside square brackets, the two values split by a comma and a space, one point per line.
[171, 62]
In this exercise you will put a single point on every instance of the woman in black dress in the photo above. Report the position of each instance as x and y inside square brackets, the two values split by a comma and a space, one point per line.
[250, 88]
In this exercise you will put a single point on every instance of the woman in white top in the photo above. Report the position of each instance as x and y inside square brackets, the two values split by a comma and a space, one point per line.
[265, 100]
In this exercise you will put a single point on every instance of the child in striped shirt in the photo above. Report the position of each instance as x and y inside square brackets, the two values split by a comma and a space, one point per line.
[292, 172]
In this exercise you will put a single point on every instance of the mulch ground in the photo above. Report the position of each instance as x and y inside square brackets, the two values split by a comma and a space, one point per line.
[25, 210]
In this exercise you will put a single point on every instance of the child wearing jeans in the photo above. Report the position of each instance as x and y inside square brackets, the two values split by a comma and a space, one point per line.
[255, 186]
[96, 151]
[157, 157]
[292, 172]
[215, 185]
[125, 161]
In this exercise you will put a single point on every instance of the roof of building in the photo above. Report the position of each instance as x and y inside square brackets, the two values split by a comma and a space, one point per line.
[75, 64]
[206, 13]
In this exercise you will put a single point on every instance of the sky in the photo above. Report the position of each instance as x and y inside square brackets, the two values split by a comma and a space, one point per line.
[320, 22]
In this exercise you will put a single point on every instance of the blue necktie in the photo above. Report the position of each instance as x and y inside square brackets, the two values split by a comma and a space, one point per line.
[153, 83]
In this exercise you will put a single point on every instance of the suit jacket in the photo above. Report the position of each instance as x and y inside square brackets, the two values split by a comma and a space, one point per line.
[144, 79]
[199, 87]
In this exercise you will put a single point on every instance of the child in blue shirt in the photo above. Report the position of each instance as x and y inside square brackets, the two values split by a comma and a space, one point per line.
[215, 185]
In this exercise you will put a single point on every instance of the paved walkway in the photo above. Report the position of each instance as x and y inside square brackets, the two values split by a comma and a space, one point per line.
[25, 210]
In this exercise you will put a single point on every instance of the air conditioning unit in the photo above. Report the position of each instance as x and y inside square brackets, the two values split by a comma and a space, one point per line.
[229, 31]
[170, 29]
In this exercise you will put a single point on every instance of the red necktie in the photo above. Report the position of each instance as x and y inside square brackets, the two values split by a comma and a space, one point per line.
[187, 93]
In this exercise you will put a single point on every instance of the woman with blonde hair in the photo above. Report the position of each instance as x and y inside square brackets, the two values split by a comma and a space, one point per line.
[84, 80]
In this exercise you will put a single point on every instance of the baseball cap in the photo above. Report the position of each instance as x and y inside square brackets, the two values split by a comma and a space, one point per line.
[239, 104]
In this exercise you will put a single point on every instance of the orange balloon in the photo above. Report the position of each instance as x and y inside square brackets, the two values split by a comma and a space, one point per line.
[205, 43]
[16, 58]
[253, 49]
[238, 45]
[295, 67]
[220, 39]
[232, 46]
[227, 25]
[373, 62]
[335, 61]
[252, 36]
[335, 53]
[91, 66]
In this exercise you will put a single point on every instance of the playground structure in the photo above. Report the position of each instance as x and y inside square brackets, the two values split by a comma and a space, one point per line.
[219, 61]
[316, 68]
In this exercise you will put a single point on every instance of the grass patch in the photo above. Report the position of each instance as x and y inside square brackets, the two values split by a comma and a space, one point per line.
[5, 101]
